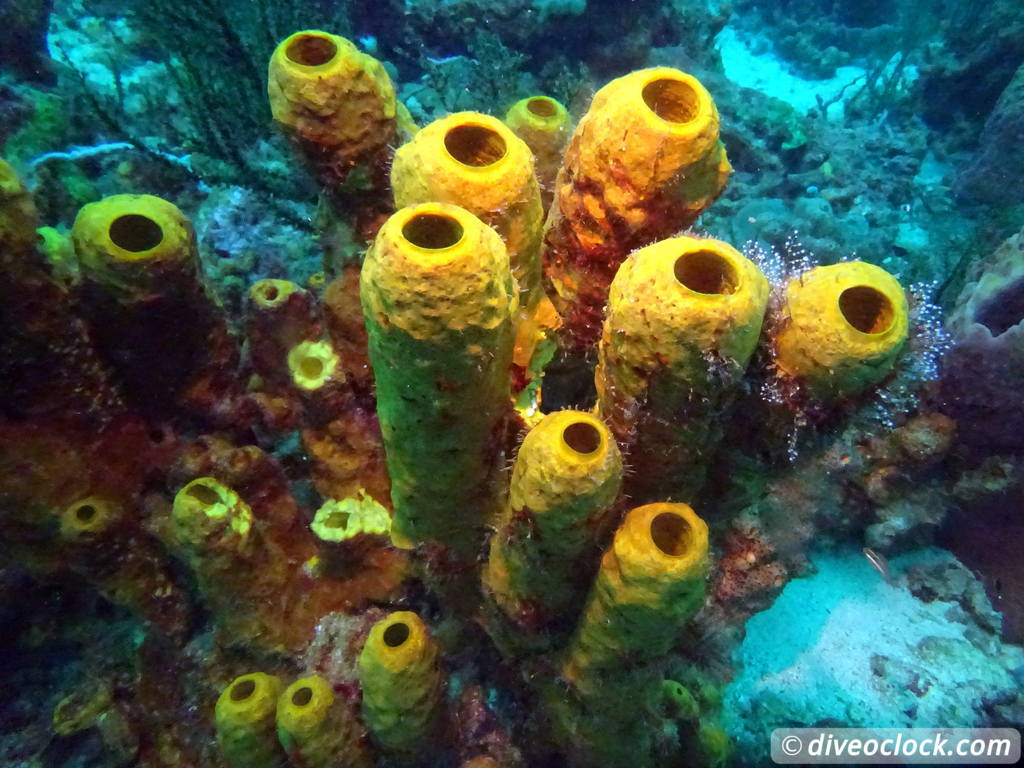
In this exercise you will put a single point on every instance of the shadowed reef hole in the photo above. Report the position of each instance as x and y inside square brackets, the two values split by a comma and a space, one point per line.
[432, 230]
[705, 272]
[312, 367]
[671, 533]
[475, 145]
[205, 495]
[542, 107]
[673, 100]
[243, 690]
[1004, 310]
[311, 50]
[85, 513]
[337, 520]
[866, 309]
[136, 233]
[583, 437]
[396, 634]
[302, 696]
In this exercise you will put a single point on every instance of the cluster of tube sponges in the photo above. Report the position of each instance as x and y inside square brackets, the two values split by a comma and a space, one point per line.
[675, 322]
[262, 723]
[463, 283]
[460, 286]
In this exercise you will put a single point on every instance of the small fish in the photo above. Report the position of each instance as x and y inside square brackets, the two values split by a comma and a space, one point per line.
[880, 564]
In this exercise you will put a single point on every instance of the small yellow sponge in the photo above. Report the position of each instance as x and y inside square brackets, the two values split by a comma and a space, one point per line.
[316, 728]
[843, 327]
[246, 722]
[312, 364]
[567, 474]
[270, 293]
[652, 580]
[332, 97]
[544, 124]
[135, 243]
[344, 519]
[401, 683]
[208, 514]
[90, 516]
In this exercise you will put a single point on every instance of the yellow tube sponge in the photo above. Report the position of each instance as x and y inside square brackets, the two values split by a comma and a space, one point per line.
[440, 302]
[684, 317]
[338, 521]
[544, 124]
[271, 294]
[90, 516]
[475, 161]
[103, 544]
[132, 244]
[142, 290]
[59, 251]
[246, 722]
[313, 364]
[339, 103]
[842, 328]
[643, 163]
[316, 728]
[401, 683]
[280, 315]
[214, 534]
[209, 515]
[347, 531]
[18, 219]
[651, 581]
[566, 476]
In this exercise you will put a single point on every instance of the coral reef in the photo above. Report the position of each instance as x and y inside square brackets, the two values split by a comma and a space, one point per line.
[963, 74]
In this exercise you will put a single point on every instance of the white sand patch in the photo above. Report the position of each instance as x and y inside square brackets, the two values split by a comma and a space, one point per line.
[768, 74]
